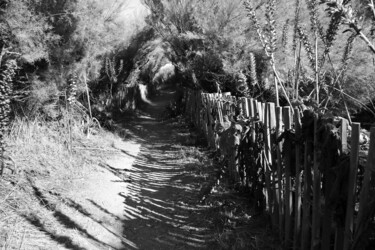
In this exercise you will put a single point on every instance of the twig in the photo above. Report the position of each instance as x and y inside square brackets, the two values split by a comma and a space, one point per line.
[347, 113]
[298, 66]
[372, 7]
[316, 67]
[354, 99]
[367, 41]
[102, 149]
[22, 239]
[11, 192]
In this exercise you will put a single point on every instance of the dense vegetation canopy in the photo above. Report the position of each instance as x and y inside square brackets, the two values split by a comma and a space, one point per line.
[293, 51]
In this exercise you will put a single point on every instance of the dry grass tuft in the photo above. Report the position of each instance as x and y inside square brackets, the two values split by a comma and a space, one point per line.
[43, 167]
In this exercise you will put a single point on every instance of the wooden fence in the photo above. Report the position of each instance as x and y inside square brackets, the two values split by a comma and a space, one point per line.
[300, 167]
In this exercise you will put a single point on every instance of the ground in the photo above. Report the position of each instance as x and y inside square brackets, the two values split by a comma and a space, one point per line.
[150, 187]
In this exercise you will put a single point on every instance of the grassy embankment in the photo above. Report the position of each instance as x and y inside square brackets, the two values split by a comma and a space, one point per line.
[47, 164]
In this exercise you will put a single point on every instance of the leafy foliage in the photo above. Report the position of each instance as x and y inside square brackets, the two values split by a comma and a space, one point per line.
[211, 46]
[329, 63]
[24, 32]
[53, 39]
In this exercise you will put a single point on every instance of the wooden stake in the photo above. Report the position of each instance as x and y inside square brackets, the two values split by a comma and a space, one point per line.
[288, 194]
[279, 125]
[298, 189]
[354, 152]
[363, 199]
[307, 192]
[315, 232]
[245, 107]
[339, 234]
[266, 166]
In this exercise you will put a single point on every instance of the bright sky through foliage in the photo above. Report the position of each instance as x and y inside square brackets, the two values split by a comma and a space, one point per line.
[134, 13]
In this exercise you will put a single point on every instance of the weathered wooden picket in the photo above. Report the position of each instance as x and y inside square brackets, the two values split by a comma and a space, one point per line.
[304, 168]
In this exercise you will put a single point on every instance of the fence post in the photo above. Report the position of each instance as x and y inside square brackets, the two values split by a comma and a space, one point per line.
[276, 196]
[254, 109]
[245, 107]
[354, 152]
[269, 126]
[207, 120]
[279, 125]
[220, 110]
[362, 220]
[265, 163]
[307, 192]
[339, 237]
[315, 231]
[288, 195]
[298, 189]
[211, 141]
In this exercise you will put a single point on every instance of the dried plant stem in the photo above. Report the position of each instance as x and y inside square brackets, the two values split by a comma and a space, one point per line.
[294, 95]
[316, 67]
[298, 65]
[352, 98]
[366, 40]
[22, 239]
[296, 24]
[277, 92]
[87, 93]
[347, 112]
[268, 47]
[11, 192]
[281, 84]
[372, 7]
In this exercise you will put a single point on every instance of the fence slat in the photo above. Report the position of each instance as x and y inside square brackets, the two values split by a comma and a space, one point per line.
[245, 107]
[339, 235]
[254, 107]
[279, 125]
[301, 199]
[270, 128]
[267, 125]
[344, 135]
[298, 189]
[288, 194]
[363, 198]
[220, 111]
[329, 179]
[264, 111]
[354, 152]
[259, 111]
[307, 192]
[211, 139]
[268, 191]
[250, 104]
[315, 231]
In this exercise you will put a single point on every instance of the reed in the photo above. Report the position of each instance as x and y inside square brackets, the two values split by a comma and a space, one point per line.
[253, 70]
[268, 41]
[284, 35]
[6, 89]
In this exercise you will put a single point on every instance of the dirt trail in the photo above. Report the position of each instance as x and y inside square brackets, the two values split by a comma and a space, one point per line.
[144, 195]
[161, 194]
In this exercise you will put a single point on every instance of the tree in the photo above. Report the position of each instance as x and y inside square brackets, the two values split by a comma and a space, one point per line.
[24, 32]
[207, 36]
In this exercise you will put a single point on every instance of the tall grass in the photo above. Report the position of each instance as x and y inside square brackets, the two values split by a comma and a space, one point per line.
[316, 77]
[42, 158]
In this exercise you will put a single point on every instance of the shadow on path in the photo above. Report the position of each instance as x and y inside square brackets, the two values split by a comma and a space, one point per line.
[160, 201]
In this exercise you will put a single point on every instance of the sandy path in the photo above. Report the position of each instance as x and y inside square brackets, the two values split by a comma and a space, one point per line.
[144, 196]
[160, 197]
